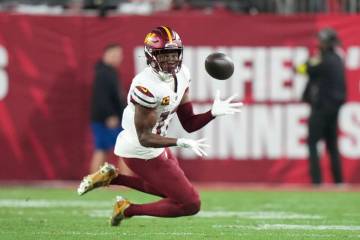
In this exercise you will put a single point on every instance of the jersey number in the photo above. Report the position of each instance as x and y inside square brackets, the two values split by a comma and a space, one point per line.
[163, 117]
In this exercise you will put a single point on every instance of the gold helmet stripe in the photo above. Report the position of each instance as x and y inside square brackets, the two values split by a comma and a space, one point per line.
[149, 37]
[168, 33]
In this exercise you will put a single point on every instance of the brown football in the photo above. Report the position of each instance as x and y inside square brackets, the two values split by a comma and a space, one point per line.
[219, 66]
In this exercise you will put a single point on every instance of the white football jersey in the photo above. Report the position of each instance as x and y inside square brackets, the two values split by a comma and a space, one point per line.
[150, 91]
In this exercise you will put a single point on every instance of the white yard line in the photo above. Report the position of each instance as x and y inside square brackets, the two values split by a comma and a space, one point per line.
[102, 209]
[53, 203]
[290, 227]
[258, 215]
[104, 233]
[228, 214]
[60, 233]
[41, 203]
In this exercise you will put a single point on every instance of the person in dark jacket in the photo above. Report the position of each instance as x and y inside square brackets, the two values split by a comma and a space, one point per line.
[106, 104]
[326, 93]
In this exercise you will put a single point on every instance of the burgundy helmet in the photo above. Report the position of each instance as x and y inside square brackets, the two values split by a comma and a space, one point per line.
[161, 40]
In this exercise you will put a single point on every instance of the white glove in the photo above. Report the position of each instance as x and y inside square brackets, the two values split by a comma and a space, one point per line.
[220, 108]
[195, 145]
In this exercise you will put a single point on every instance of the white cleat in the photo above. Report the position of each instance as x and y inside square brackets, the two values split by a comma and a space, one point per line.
[100, 178]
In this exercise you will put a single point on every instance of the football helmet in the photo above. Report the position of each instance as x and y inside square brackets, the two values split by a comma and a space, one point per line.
[163, 40]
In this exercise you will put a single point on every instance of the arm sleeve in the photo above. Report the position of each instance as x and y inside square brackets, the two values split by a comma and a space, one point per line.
[190, 121]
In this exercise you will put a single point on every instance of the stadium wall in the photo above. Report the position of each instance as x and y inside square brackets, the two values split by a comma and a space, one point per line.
[45, 84]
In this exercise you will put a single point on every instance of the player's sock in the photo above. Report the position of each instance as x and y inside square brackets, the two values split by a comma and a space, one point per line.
[135, 183]
[163, 208]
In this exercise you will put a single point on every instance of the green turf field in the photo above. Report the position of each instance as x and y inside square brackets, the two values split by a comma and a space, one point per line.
[45, 213]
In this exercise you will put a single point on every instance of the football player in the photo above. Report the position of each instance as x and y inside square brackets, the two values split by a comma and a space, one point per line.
[156, 94]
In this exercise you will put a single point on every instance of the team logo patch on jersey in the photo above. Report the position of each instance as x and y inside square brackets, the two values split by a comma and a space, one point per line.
[144, 91]
[165, 100]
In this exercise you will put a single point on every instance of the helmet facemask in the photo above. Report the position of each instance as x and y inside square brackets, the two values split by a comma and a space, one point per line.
[166, 61]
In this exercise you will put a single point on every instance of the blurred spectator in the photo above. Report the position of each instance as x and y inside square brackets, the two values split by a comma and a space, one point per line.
[106, 105]
[285, 6]
[317, 6]
[147, 7]
[162, 5]
[102, 6]
[325, 92]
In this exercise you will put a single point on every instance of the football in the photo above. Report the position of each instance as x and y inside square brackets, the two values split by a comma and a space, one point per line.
[219, 66]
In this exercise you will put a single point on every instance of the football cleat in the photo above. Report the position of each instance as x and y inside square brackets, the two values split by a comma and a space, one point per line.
[118, 212]
[100, 178]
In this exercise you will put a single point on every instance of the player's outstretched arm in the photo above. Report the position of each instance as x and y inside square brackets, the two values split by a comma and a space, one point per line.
[189, 120]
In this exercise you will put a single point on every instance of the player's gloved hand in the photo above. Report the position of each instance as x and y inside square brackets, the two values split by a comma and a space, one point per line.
[225, 107]
[195, 145]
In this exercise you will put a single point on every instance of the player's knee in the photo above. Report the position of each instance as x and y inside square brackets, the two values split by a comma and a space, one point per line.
[192, 207]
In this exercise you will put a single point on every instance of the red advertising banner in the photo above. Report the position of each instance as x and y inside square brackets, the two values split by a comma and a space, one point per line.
[46, 67]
